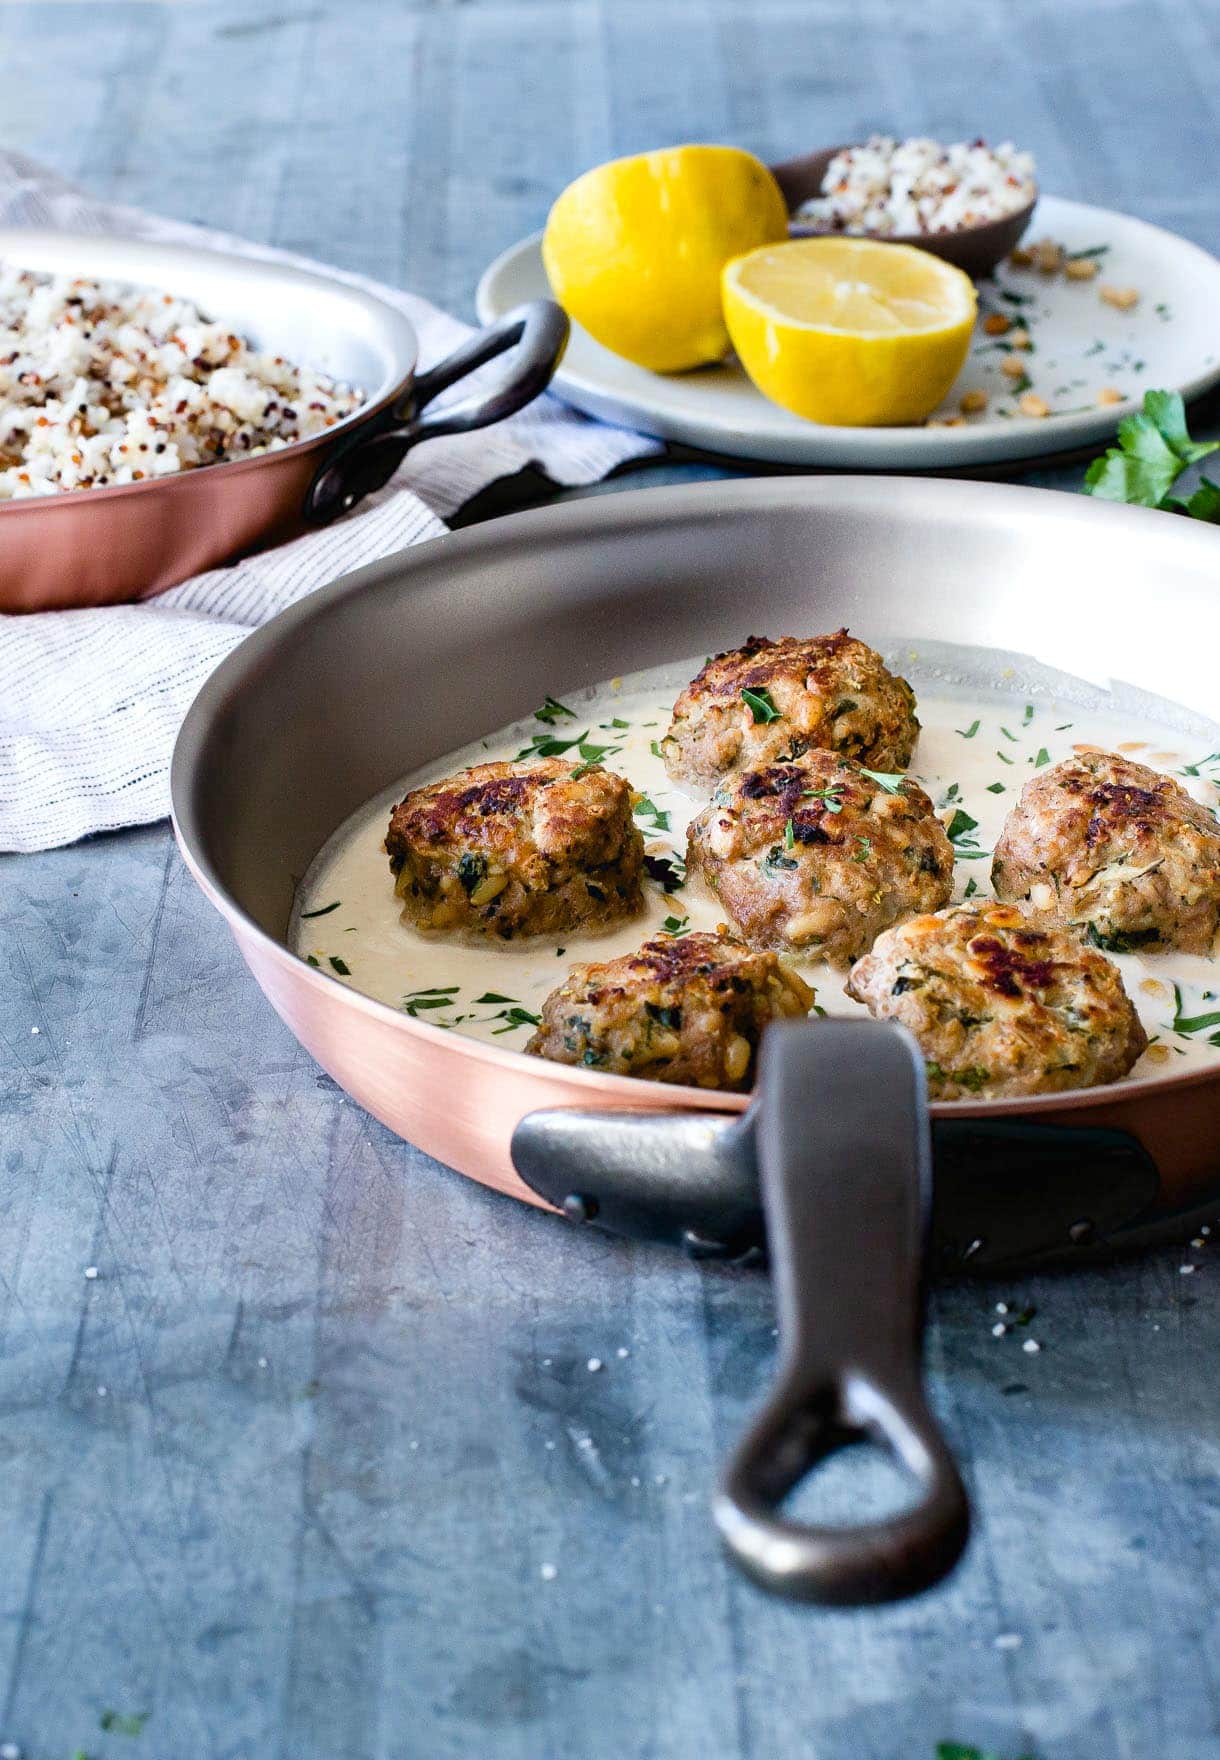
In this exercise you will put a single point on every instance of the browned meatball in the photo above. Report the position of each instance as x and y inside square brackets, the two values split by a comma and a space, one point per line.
[817, 856]
[512, 849]
[687, 1009]
[1117, 850]
[1000, 1003]
[768, 702]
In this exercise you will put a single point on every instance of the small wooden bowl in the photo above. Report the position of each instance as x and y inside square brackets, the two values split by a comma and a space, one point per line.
[976, 249]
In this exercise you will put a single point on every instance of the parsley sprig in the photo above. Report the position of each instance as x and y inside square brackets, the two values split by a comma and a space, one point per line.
[1154, 448]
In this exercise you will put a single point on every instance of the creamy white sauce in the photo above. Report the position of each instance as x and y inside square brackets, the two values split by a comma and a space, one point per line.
[449, 983]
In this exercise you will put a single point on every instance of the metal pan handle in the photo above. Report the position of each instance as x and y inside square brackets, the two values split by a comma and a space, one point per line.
[845, 1165]
[537, 332]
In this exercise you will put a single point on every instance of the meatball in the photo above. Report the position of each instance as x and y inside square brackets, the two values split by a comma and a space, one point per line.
[1001, 1004]
[818, 857]
[1117, 850]
[511, 849]
[769, 702]
[688, 1009]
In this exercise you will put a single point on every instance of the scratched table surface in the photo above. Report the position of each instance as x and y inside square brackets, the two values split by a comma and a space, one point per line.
[301, 1456]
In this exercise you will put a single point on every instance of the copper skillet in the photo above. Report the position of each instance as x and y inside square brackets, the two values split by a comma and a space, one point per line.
[130, 541]
[420, 653]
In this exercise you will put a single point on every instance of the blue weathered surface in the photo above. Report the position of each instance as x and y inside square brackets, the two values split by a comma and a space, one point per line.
[286, 1473]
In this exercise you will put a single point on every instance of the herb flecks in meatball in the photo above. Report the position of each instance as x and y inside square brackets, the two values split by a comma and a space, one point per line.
[517, 849]
[818, 857]
[1001, 1004]
[1120, 852]
[770, 702]
[689, 1009]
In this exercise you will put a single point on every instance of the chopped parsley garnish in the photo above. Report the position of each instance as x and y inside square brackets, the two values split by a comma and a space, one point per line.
[960, 824]
[324, 912]
[996, 788]
[312, 960]
[1043, 757]
[832, 801]
[646, 809]
[551, 711]
[1064, 725]
[545, 745]
[969, 732]
[865, 850]
[1092, 250]
[1007, 735]
[1120, 940]
[654, 746]
[1198, 1023]
[124, 1723]
[583, 769]
[1196, 768]
[494, 995]
[972, 887]
[959, 828]
[1004, 760]
[789, 835]
[340, 965]
[1154, 448]
[1028, 715]
[515, 1017]
[889, 780]
[669, 872]
[676, 926]
[760, 706]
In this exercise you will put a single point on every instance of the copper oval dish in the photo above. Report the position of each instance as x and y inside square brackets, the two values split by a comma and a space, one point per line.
[279, 747]
[130, 541]
[976, 249]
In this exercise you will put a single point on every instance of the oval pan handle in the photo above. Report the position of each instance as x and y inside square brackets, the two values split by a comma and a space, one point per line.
[537, 332]
[845, 1165]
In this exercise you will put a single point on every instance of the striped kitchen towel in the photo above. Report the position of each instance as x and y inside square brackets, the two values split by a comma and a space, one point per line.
[91, 701]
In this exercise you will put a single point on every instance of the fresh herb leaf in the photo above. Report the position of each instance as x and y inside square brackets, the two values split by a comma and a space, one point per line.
[960, 824]
[1028, 715]
[646, 809]
[1191, 1023]
[1007, 735]
[996, 788]
[442, 990]
[972, 887]
[1195, 768]
[1042, 758]
[545, 745]
[1004, 759]
[1154, 448]
[551, 711]
[760, 706]
[832, 801]
[969, 732]
[1120, 940]
[340, 965]
[493, 996]
[124, 1724]
[789, 835]
[654, 746]
[865, 851]
[889, 780]
[676, 926]
[312, 960]
[515, 1017]
[324, 912]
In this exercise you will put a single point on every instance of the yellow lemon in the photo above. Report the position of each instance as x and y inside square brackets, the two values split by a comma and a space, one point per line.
[849, 331]
[634, 249]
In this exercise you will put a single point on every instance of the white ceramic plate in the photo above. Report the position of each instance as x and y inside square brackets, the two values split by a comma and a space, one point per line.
[1170, 340]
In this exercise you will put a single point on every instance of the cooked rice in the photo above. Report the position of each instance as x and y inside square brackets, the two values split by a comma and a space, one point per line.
[102, 383]
[889, 187]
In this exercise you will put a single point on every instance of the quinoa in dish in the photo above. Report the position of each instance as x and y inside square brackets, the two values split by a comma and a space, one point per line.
[102, 383]
[888, 188]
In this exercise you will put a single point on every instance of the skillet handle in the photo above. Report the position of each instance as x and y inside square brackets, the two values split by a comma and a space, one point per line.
[537, 332]
[845, 1166]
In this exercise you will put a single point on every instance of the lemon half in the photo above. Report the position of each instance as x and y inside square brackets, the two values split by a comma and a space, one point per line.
[633, 249]
[849, 331]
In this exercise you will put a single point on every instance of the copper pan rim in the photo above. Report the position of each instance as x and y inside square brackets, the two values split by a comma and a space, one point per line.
[518, 533]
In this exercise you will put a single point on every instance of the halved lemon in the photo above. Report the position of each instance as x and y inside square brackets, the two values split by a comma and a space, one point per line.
[633, 249]
[849, 331]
